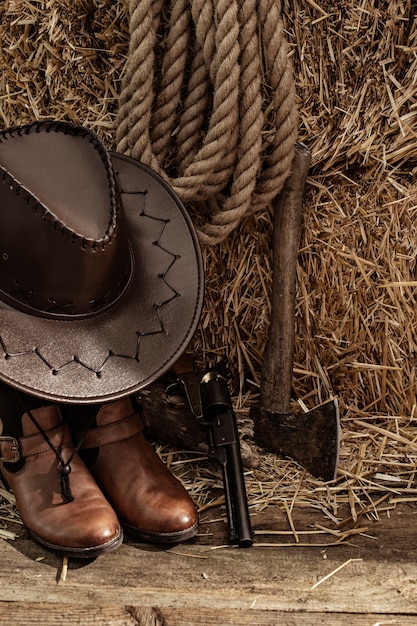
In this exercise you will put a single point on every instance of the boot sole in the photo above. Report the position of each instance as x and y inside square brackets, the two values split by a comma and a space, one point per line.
[161, 538]
[80, 553]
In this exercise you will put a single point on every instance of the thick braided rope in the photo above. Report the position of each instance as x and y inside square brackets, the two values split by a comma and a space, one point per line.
[172, 77]
[136, 99]
[208, 101]
[279, 75]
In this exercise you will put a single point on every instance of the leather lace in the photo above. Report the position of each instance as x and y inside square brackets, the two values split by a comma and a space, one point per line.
[64, 466]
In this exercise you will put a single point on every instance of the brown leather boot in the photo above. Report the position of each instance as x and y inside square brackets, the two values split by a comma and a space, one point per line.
[149, 501]
[60, 503]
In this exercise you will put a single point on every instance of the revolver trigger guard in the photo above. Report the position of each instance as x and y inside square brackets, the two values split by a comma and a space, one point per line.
[218, 454]
[175, 395]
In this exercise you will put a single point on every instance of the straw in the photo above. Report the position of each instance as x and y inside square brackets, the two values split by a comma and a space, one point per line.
[356, 322]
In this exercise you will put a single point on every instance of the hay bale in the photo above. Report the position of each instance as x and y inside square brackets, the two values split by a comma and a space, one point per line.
[62, 60]
[355, 67]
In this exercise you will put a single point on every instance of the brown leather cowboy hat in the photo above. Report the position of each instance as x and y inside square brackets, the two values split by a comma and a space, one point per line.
[101, 277]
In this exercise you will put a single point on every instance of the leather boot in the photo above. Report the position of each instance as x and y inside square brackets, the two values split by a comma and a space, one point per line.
[78, 521]
[149, 501]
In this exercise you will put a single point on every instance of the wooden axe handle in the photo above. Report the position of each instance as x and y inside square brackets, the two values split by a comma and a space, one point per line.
[277, 369]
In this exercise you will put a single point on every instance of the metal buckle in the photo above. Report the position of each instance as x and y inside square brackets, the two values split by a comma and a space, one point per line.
[14, 448]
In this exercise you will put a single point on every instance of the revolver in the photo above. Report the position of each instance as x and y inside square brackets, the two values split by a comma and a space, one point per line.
[209, 399]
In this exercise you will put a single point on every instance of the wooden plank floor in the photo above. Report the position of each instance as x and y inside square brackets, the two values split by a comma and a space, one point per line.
[201, 583]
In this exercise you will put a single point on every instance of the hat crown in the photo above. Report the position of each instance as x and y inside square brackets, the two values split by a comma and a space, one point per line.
[64, 250]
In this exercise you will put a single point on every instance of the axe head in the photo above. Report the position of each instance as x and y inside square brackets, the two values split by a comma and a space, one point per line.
[312, 439]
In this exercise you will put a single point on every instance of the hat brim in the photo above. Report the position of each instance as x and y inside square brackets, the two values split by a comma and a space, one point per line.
[126, 348]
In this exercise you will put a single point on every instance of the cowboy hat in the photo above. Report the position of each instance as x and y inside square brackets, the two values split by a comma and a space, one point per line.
[101, 276]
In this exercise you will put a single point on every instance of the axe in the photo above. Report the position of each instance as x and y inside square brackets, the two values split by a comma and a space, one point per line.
[312, 439]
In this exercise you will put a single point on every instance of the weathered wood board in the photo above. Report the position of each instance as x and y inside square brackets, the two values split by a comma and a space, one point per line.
[201, 582]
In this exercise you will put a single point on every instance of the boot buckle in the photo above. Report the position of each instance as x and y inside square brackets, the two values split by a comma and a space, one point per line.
[9, 449]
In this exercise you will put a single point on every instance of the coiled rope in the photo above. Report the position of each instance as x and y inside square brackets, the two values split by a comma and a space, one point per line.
[208, 101]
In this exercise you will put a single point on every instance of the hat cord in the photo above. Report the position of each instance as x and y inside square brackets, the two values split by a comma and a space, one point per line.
[65, 466]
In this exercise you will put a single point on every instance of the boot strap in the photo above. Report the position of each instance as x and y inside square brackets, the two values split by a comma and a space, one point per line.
[110, 433]
[11, 449]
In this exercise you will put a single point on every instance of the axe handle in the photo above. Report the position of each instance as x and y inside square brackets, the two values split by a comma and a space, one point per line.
[277, 368]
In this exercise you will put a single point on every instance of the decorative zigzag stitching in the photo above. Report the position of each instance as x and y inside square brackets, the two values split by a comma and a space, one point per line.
[139, 334]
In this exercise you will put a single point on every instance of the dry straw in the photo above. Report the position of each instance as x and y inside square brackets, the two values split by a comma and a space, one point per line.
[355, 66]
